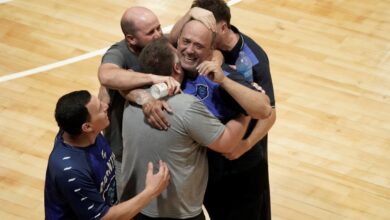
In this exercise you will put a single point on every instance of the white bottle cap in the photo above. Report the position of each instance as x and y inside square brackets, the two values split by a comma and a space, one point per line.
[159, 90]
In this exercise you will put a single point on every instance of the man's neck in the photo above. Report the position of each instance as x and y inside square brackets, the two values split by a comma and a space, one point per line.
[231, 41]
[191, 75]
[82, 140]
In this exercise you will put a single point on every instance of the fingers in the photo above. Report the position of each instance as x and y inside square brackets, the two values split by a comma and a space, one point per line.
[150, 116]
[157, 118]
[258, 88]
[205, 67]
[164, 171]
[209, 21]
[150, 168]
[173, 86]
[162, 167]
[212, 70]
[204, 16]
[167, 107]
[163, 175]
[155, 115]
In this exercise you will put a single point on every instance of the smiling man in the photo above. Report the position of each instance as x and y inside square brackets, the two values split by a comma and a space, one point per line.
[195, 47]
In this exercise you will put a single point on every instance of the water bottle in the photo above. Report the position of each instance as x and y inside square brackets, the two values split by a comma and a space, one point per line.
[244, 66]
[159, 90]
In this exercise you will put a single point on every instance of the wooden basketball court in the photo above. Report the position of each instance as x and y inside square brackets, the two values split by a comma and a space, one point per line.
[329, 150]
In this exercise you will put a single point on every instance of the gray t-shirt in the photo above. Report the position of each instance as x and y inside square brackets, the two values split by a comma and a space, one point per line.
[181, 147]
[120, 55]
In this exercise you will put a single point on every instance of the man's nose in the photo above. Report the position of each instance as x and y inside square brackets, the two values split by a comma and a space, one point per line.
[190, 48]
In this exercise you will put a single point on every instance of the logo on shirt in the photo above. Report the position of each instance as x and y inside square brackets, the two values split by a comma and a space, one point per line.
[202, 91]
[104, 154]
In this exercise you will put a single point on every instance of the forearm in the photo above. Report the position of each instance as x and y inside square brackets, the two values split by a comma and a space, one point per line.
[233, 133]
[103, 95]
[121, 79]
[130, 208]
[138, 96]
[261, 129]
[255, 103]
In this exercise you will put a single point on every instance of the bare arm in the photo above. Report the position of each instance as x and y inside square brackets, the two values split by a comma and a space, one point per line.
[114, 77]
[231, 136]
[155, 184]
[103, 95]
[218, 57]
[255, 103]
[259, 131]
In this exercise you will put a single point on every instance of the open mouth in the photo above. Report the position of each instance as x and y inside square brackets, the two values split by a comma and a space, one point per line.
[189, 59]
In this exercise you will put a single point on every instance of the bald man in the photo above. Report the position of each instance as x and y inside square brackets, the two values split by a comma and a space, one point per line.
[247, 173]
[195, 46]
[117, 71]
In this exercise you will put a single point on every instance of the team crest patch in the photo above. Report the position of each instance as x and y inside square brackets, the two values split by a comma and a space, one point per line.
[202, 91]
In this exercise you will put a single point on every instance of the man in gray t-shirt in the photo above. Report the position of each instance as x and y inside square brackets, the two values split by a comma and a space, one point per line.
[182, 146]
[117, 71]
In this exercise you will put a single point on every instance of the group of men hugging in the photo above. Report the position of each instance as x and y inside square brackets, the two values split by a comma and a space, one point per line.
[126, 155]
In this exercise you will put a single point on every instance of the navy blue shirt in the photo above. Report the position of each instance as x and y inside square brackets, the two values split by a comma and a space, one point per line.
[260, 62]
[80, 181]
[219, 165]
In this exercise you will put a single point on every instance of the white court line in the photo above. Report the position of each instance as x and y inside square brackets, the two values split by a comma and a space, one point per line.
[4, 1]
[62, 63]
[53, 65]
[233, 2]
[73, 59]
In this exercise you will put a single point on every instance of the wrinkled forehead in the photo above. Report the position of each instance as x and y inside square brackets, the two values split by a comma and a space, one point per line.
[197, 31]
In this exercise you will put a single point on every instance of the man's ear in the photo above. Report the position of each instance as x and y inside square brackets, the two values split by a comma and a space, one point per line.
[224, 27]
[177, 68]
[177, 72]
[131, 39]
[86, 127]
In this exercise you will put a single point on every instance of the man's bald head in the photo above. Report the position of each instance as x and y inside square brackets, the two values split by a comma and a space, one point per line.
[134, 15]
[140, 26]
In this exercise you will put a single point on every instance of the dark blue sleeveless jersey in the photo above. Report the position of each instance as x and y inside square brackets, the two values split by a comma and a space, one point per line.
[80, 182]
